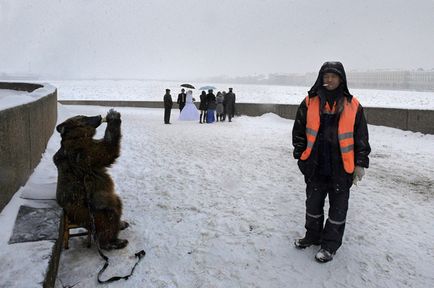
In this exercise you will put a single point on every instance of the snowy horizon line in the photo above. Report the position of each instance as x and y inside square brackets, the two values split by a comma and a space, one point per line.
[37, 76]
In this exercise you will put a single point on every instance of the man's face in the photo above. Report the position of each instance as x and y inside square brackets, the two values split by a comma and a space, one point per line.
[331, 81]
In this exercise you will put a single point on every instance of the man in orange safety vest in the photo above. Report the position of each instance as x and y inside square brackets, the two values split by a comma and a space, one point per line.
[331, 143]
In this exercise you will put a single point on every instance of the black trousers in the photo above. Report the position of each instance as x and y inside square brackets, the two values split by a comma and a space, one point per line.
[338, 190]
[167, 115]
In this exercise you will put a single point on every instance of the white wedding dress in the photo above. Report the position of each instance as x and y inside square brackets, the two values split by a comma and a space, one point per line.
[189, 112]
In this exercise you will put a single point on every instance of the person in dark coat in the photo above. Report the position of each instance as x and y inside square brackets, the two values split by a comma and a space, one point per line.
[203, 107]
[168, 103]
[220, 108]
[230, 104]
[224, 106]
[212, 105]
[181, 99]
[331, 143]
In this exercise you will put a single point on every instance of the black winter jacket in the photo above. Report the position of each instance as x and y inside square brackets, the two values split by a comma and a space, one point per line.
[203, 102]
[211, 101]
[168, 103]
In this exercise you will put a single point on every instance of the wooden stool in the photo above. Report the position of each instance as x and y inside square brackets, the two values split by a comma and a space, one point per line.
[66, 235]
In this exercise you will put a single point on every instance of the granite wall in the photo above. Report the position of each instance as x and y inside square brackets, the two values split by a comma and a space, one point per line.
[24, 134]
[405, 119]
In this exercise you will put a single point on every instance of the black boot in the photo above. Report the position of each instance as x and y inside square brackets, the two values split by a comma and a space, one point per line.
[305, 242]
[323, 255]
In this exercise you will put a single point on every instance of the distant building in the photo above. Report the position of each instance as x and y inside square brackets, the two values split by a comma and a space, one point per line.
[287, 79]
[418, 80]
[421, 80]
[379, 79]
[385, 79]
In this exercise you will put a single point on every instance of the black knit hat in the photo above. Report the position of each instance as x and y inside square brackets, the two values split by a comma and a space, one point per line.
[330, 67]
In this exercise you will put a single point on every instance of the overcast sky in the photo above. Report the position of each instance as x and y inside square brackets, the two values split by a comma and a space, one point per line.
[177, 39]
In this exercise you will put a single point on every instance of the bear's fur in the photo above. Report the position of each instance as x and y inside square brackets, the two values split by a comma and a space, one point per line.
[83, 184]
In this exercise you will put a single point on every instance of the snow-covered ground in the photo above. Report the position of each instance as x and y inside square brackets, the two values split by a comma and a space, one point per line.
[218, 205]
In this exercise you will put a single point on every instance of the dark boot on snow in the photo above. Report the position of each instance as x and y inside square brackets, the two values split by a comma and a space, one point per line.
[323, 255]
[305, 242]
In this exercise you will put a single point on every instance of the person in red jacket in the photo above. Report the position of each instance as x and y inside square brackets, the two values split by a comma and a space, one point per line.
[331, 143]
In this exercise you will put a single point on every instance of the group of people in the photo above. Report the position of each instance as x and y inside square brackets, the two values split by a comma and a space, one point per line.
[331, 144]
[212, 107]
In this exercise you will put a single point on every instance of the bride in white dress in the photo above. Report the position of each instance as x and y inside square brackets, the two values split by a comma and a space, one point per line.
[189, 112]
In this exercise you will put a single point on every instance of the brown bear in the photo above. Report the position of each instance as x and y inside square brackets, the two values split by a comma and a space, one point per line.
[84, 188]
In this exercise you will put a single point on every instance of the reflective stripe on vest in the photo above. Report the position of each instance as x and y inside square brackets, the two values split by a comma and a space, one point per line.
[345, 128]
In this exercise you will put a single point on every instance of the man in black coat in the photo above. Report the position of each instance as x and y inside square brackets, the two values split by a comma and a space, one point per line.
[330, 139]
[229, 104]
[168, 103]
[181, 99]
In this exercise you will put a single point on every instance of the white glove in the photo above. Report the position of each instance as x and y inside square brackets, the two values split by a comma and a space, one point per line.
[358, 174]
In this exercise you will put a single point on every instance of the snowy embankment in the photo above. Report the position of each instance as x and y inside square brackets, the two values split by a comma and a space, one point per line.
[12, 98]
[218, 205]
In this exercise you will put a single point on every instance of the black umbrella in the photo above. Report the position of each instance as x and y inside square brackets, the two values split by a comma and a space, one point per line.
[187, 86]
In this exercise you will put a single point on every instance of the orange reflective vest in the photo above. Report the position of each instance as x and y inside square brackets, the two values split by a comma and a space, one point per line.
[345, 128]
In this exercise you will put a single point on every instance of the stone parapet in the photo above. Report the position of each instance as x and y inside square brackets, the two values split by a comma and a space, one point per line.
[24, 133]
[405, 119]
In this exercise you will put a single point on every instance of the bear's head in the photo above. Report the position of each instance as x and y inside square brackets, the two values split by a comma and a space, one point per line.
[79, 126]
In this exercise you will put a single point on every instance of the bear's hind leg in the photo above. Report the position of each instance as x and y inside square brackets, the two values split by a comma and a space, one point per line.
[108, 224]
